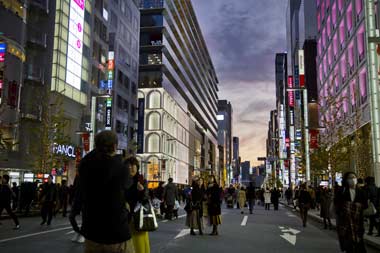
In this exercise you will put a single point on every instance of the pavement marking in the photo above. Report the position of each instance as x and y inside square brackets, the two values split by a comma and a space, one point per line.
[71, 232]
[289, 234]
[34, 234]
[244, 222]
[163, 221]
[183, 233]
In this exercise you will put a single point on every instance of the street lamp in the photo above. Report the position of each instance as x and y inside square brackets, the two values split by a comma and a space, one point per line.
[306, 130]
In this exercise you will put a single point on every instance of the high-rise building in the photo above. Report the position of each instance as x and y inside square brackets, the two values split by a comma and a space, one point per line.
[177, 132]
[123, 59]
[225, 135]
[235, 158]
[273, 145]
[245, 172]
[344, 72]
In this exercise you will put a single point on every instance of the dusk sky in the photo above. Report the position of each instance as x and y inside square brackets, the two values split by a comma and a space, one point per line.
[243, 37]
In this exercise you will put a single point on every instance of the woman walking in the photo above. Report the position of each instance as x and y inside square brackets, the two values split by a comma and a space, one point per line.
[267, 199]
[304, 202]
[214, 209]
[350, 201]
[242, 198]
[325, 201]
[194, 208]
[205, 200]
[137, 193]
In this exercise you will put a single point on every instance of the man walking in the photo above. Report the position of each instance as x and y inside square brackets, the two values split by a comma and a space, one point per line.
[16, 196]
[251, 196]
[64, 197]
[48, 200]
[6, 195]
[170, 196]
[103, 182]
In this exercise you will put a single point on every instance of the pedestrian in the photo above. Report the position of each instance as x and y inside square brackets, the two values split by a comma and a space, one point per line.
[103, 182]
[326, 199]
[48, 200]
[304, 202]
[318, 196]
[242, 199]
[313, 197]
[6, 196]
[64, 197]
[350, 201]
[76, 205]
[275, 198]
[251, 196]
[296, 198]
[267, 199]
[372, 192]
[159, 194]
[16, 196]
[193, 208]
[170, 196]
[214, 203]
[205, 202]
[261, 197]
[289, 196]
[137, 194]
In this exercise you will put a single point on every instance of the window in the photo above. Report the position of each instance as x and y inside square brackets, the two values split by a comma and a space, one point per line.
[363, 85]
[150, 59]
[151, 20]
[154, 121]
[343, 68]
[114, 20]
[359, 7]
[134, 88]
[361, 43]
[335, 44]
[151, 38]
[351, 57]
[119, 127]
[150, 79]
[152, 4]
[154, 99]
[341, 34]
[153, 142]
[349, 19]
[333, 15]
[340, 6]
[319, 21]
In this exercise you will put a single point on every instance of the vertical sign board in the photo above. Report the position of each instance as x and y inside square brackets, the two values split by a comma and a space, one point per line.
[109, 114]
[290, 93]
[296, 82]
[140, 126]
[75, 44]
[3, 48]
[110, 70]
[301, 66]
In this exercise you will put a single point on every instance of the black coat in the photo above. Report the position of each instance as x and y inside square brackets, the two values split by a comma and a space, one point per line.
[49, 193]
[103, 182]
[133, 195]
[251, 193]
[213, 193]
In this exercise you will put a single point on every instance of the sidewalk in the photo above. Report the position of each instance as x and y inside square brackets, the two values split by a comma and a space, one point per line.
[314, 214]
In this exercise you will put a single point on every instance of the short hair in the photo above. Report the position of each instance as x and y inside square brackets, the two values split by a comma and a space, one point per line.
[345, 178]
[170, 180]
[6, 178]
[105, 142]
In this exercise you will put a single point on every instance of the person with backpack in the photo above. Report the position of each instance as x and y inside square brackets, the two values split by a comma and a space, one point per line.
[6, 196]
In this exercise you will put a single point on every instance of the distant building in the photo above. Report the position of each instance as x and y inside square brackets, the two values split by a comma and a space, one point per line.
[245, 172]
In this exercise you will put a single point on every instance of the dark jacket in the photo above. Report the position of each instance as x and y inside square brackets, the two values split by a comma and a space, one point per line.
[251, 194]
[304, 198]
[5, 195]
[49, 193]
[213, 193]
[170, 194]
[103, 182]
[133, 195]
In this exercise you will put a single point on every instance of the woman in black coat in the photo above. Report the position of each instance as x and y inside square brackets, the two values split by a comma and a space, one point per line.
[214, 210]
[350, 201]
[194, 208]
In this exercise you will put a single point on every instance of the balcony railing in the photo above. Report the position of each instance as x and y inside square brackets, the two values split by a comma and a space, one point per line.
[34, 73]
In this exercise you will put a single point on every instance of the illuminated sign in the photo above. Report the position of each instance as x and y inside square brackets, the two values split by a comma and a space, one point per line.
[290, 93]
[65, 150]
[220, 117]
[108, 113]
[75, 44]
[301, 66]
[3, 47]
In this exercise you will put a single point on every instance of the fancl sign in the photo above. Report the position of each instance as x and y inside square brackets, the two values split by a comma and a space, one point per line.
[66, 150]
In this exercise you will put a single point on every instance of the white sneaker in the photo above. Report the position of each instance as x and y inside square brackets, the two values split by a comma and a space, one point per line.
[80, 239]
[75, 237]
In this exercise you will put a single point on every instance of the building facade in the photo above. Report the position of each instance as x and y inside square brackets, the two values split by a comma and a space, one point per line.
[225, 119]
[175, 66]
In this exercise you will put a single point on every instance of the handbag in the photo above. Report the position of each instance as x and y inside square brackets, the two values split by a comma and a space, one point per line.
[371, 210]
[144, 217]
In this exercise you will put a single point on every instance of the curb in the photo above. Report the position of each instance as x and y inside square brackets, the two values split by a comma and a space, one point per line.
[320, 220]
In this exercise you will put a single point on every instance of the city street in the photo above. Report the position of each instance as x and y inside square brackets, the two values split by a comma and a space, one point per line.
[264, 231]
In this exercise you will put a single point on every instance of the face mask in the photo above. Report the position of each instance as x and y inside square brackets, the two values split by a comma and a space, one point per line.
[352, 182]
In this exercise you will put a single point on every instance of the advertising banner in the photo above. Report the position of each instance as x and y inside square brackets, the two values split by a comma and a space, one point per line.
[109, 113]
[290, 93]
[86, 141]
[140, 126]
[313, 139]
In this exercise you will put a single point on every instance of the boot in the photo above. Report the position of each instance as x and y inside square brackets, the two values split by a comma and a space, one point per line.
[192, 232]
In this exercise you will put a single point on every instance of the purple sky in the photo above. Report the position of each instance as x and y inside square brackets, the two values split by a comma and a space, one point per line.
[243, 37]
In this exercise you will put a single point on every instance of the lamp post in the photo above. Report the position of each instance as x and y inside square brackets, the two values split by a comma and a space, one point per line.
[306, 130]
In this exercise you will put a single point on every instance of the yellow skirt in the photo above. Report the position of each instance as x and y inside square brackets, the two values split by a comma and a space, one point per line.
[140, 241]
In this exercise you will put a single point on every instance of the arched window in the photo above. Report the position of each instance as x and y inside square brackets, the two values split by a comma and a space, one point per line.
[153, 141]
[155, 99]
[154, 121]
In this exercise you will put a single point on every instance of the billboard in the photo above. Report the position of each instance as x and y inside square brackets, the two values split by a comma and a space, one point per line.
[301, 66]
[140, 125]
[75, 44]
[109, 114]
[290, 93]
